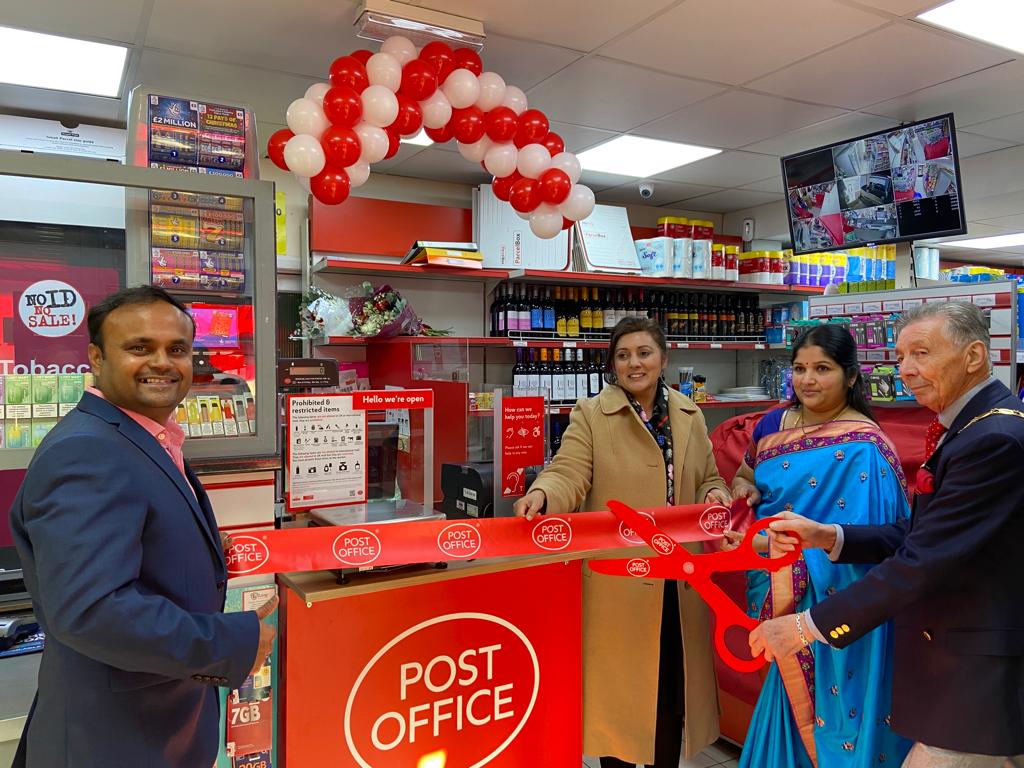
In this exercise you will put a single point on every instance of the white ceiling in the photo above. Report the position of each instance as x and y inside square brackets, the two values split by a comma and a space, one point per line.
[756, 78]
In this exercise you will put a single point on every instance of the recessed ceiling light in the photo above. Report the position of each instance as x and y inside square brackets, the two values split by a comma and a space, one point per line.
[639, 157]
[60, 63]
[989, 243]
[1000, 22]
[420, 139]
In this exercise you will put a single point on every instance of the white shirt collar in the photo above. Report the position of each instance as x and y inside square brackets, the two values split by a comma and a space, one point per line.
[948, 414]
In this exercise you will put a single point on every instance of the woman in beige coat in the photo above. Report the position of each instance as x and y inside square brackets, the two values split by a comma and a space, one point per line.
[646, 645]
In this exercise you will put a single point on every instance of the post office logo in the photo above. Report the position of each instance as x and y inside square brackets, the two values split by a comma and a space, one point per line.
[246, 555]
[662, 543]
[461, 683]
[553, 534]
[638, 567]
[459, 540]
[51, 308]
[716, 520]
[357, 547]
[631, 536]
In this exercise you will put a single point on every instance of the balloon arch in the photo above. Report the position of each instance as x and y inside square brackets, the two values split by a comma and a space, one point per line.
[338, 129]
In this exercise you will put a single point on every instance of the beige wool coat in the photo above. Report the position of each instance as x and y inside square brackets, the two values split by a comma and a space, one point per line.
[607, 453]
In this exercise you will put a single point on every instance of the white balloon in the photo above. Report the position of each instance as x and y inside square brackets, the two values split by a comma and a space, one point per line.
[462, 88]
[492, 91]
[358, 173]
[514, 99]
[374, 141]
[304, 183]
[500, 159]
[437, 110]
[305, 116]
[384, 69]
[579, 204]
[316, 92]
[533, 160]
[380, 106]
[546, 221]
[304, 156]
[399, 47]
[524, 216]
[567, 161]
[476, 151]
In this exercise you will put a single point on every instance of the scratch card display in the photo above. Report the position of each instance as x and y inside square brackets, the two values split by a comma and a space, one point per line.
[186, 134]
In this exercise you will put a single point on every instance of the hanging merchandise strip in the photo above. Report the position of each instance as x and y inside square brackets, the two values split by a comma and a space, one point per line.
[373, 545]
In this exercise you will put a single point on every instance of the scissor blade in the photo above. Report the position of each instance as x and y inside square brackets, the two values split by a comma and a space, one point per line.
[638, 567]
[655, 538]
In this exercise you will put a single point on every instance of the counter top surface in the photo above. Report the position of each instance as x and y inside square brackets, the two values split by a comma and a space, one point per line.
[18, 676]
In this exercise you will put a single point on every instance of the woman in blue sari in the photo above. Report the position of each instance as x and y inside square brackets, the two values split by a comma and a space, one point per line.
[824, 457]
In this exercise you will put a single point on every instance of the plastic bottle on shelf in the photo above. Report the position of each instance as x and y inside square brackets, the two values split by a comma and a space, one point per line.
[717, 261]
[732, 263]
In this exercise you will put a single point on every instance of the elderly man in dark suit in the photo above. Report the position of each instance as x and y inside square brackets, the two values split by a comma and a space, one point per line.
[950, 578]
[123, 560]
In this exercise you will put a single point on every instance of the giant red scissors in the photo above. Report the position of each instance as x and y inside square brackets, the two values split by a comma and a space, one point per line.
[674, 562]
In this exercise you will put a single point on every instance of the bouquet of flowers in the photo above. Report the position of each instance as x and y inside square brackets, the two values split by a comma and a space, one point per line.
[365, 312]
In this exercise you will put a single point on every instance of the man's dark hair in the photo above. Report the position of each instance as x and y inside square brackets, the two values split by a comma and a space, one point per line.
[140, 294]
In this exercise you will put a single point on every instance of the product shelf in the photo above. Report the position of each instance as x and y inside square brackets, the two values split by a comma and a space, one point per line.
[335, 266]
[590, 278]
[556, 343]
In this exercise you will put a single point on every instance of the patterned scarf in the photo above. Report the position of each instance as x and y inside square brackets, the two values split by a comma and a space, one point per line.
[658, 424]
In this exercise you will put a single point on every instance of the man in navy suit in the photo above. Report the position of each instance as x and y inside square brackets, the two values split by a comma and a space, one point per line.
[950, 578]
[123, 559]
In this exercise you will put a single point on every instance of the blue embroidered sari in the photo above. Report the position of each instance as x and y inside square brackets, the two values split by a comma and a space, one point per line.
[824, 707]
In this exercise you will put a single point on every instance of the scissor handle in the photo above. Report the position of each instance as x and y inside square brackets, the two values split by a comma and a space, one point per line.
[746, 558]
[728, 616]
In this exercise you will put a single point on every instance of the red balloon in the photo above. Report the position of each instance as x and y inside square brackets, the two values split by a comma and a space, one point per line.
[275, 147]
[502, 186]
[362, 56]
[419, 80]
[341, 146]
[554, 186]
[554, 143]
[394, 142]
[566, 223]
[468, 124]
[525, 195]
[533, 127]
[440, 56]
[440, 135]
[343, 106]
[331, 186]
[502, 124]
[410, 116]
[467, 58]
[347, 70]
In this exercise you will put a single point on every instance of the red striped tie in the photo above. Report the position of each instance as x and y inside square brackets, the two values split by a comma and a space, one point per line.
[932, 437]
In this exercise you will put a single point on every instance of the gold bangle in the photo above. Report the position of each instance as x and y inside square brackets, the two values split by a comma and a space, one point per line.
[800, 631]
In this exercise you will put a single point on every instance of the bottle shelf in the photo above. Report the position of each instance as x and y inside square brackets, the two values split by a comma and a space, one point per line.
[531, 343]
[338, 266]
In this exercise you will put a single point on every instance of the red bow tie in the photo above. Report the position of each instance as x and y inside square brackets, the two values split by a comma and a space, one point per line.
[932, 437]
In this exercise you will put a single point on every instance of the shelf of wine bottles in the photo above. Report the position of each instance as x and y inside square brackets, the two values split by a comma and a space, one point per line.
[590, 313]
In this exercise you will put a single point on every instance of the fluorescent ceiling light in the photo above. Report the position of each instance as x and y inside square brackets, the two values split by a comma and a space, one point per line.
[380, 19]
[639, 157]
[989, 243]
[420, 139]
[60, 63]
[999, 22]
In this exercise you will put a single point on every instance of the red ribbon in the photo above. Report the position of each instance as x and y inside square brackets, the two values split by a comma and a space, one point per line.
[376, 544]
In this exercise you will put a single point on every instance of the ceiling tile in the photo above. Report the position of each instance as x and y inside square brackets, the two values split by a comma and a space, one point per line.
[901, 7]
[578, 137]
[602, 181]
[440, 165]
[524, 63]
[729, 169]
[665, 193]
[970, 144]
[405, 152]
[303, 40]
[774, 184]
[736, 118]
[733, 41]
[582, 25]
[1014, 223]
[731, 200]
[975, 98]
[837, 129]
[897, 59]
[267, 93]
[607, 94]
[114, 20]
[1009, 128]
